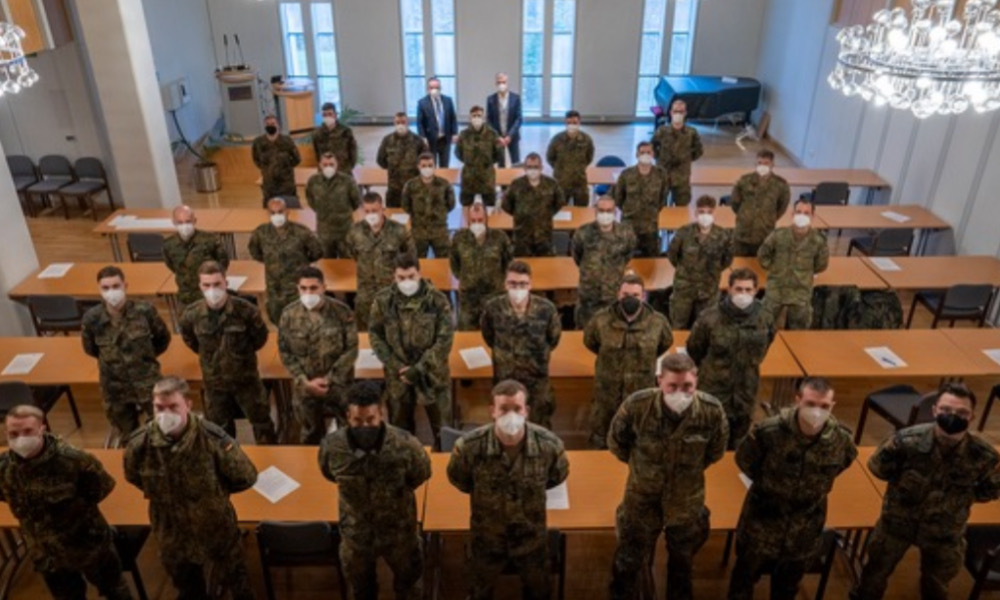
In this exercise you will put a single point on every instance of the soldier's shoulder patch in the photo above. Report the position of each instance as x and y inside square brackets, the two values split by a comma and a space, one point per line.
[710, 399]
[217, 433]
[136, 437]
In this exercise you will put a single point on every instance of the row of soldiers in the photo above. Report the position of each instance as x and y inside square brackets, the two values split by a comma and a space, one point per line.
[668, 434]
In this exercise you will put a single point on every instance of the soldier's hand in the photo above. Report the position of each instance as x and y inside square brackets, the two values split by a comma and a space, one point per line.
[402, 377]
[317, 387]
[505, 141]
[454, 139]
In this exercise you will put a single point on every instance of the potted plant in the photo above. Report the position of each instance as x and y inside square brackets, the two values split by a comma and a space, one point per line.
[206, 171]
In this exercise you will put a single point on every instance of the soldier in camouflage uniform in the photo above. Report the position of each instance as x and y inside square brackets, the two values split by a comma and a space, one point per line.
[284, 247]
[533, 200]
[398, 154]
[185, 251]
[478, 148]
[334, 196]
[125, 336]
[226, 332]
[506, 467]
[375, 243]
[793, 256]
[523, 329]
[759, 199]
[428, 199]
[479, 259]
[668, 435]
[187, 468]
[377, 469]
[569, 154]
[601, 250]
[729, 342]
[627, 337]
[318, 343]
[411, 333]
[640, 192]
[935, 472]
[676, 146]
[336, 139]
[793, 459]
[699, 252]
[53, 490]
[276, 156]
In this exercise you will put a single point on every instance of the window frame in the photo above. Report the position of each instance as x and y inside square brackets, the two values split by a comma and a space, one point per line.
[666, 36]
[309, 35]
[547, 77]
[449, 83]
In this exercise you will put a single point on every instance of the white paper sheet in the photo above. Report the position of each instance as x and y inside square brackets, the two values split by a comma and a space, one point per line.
[401, 218]
[235, 282]
[120, 219]
[55, 271]
[885, 357]
[681, 350]
[993, 354]
[563, 215]
[895, 216]
[136, 223]
[367, 360]
[885, 264]
[274, 484]
[476, 358]
[557, 498]
[746, 480]
[22, 364]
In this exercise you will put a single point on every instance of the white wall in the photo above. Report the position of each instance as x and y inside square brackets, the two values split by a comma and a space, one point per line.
[727, 35]
[607, 58]
[488, 40]
[370, 52]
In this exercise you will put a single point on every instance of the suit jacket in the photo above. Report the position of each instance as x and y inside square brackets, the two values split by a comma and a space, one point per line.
[427, 125]
[513, 115]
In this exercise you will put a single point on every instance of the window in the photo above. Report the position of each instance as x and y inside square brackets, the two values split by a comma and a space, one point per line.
[654, 19]
[310, 45]
[563, 29]
[296, 62]
[683, 36]
[439, 27]
[557, 71]
[327, 79]
[533, 57]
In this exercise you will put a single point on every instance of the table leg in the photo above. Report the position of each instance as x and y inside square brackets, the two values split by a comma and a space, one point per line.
[229, 239]
[116, 250]
[172, 309]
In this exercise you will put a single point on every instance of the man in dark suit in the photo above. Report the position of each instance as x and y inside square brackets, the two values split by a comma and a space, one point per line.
[503, 114]
[436, 122]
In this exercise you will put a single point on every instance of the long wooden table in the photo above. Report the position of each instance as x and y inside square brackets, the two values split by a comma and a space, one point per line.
[939, 272]
[142, 279]
[842, 270]
[672, 218]
[63, 362]
[208, 219]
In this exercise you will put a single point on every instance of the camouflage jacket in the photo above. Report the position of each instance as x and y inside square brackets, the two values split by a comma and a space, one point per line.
[376, 489]
[480, 265]
[414, 332]
[322, 342]
[126, 348]
[533, 207]
[277, 161]
[399, 154]
[626, 351]
[226, 340]
[521, 345]
[54, 497]
[569, 157]
[184, 258]
[699, 261]
[758, 203]
[602, 258]
[667, 454]
[334, 200]
[676, 149]
[284, 250]
[791, 263]
[508, 496]
[188, 482]
[376, 253]
[428, 204]
[641, 197]
[478, 151]
[340, 142]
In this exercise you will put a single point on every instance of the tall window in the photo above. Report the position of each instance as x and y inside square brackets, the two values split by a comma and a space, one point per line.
[551, 71]
[418, 27]
[563, 30]
[655, 17]
[533, 57]
[683, 36]
[310, 45]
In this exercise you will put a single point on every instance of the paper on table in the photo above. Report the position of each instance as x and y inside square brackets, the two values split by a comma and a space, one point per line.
[994, 354]
[557, 498]
[22, 364]
[235, 282]
[885, 357]
[401, 218]
[367, 360]
[55, 271]
[475, 358]
[681, 350]
[135, 223]
[273, 484]
[563, 215]
[895, 216]
[121, 219]
[730, 80]
[885, 264]
[746, 480]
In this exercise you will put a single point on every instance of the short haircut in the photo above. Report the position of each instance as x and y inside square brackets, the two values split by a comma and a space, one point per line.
[508, 387]
[364, 392]
[572, 114]
[24, 411]
[632, 278]
[820, 385]
[959, 390]
[406, 260]
[284, 204]
[675, 363]
[519, 266]
[328, 156]
[270, 117]
[425, 156]
[643, 144]
[533, 156]
[766, 154]
[479, 208]
[434, 78]
[110, 271]
[329, 106]
[371, 198]
[211, 267]
[706, 201]
[742, 274]
[171, 384]
[401, 115]
[310, 272]
[604, 199]
[476, 108]
[806, 201]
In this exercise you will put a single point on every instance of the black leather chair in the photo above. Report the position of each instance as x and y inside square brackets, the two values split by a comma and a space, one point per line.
[900, 405]
[129, 541]
[145, 247]
[55, 172]
[888, 242]
[298, 544]
[92, 180]
[25, 175]
[981, 553]
[55, 314]
[957, 303]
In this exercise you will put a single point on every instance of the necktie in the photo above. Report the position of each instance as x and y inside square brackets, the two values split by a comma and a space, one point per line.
[440, 116]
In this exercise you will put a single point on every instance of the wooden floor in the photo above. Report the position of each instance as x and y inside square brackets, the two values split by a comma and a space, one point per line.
[590, 554]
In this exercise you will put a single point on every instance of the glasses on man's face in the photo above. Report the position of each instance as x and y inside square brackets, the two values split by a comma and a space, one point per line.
[518, 285]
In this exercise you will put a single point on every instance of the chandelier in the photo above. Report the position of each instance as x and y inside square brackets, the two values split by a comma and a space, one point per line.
[14, 70]
[931, 63]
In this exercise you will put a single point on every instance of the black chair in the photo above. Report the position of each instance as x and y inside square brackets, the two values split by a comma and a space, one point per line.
[25, 175]
[900, 405]
[55, 314]
[888, 242]
[725, 200]
[294, 544]
[994, 395]
[13, 393]
[830, 193]
[55, 172]
[92, 179]
[607, 161]
[145, 247]
[957, 303]
[981, 553]
[129, 541]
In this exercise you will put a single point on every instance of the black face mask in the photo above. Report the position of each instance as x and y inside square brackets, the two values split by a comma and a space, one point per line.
[631, 305]
[365, 437]
[951, 423]
[271, 129]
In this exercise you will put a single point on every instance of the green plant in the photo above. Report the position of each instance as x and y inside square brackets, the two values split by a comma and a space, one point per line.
[208, 149]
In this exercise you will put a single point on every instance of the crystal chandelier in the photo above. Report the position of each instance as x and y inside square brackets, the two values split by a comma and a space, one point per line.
[932, 63]
[14, 70]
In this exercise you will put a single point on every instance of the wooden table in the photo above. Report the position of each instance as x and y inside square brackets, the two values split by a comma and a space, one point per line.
[871, 217]
[939, 272]
[182, 361]
[64, 361]
[143, 280]
[672, 218]
[972, 343]
[579, 216]
[842, 270]
[209, 219]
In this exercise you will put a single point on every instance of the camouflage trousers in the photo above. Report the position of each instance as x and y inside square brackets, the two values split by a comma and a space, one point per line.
[786, 574]
[490, 558]
[680, 189]
[276, 304]
[940, 562]
[781, 545]
[403, 412]
[224, 404]
[577, 195]
[687, 303]
[797, 315]
[533, 244]
[746, 248]
[647, 243]
[227, 572]
[311, 411]
[363, 304]
[739, 414]
[438, 239]
[467, 198]
[125, 402]
[603, 406]
[334, 244]
[470, 308]
[638, 525]
[394, 196]
[402, 553]
[103, 571]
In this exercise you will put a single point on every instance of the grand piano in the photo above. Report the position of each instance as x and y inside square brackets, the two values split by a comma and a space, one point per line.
[708, 97]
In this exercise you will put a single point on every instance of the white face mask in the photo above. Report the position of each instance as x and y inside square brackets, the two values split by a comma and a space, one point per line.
[408, 286]
[114, 298]
[436, 93]
[330, 121]
[26, 445]
[477, 229]
[763, 170]
[427, 172]
[801, 221]
[502, 88]
[572, 128]
[518, 296]
[168, 421]
[310, 301]
[214, 296]
[678, 401]
[741, 301]
[605, 218]
[533, 174]
[373, 219]
[705, 220]
[645, 159]
[185, 230]
[279, 219]
[401, 129]
[677, 118]
[477, 122]
[329, 172]
[511, 423]
[814, 415]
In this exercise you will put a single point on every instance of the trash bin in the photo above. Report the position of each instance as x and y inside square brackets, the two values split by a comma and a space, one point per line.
[206, 177]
